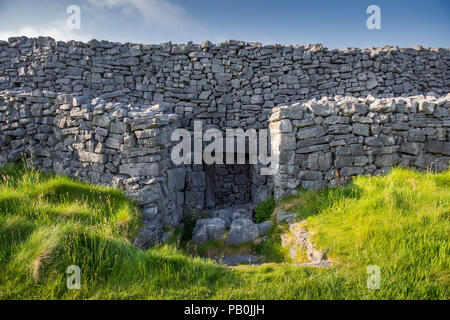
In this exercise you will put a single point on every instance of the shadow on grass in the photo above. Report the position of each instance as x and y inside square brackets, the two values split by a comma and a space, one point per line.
[60, 189]
[10, 203]
[14, 231]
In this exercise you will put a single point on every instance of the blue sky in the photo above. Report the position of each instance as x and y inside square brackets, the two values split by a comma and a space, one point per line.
[336, 24]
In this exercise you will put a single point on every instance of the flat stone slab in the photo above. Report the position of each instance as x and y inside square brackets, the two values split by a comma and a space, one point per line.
[232, 213]
[242, 231]
[208, 229]
[318, 264]
[246, 259]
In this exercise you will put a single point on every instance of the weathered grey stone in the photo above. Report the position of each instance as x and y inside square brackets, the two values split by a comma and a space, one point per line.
[242, 231]
[321, 109]
[176, 179]
[264, 227]
[303, 123]
[382, 106]
[139, 151]
[336, 120]
[435, 146]
[230, 214]
[440, 112]
[147, 194]
[114, 141]
[361, 129]
[283, 216]
[310, 132]
[209, 229]
[101, 121]
[85, 156]
[149, 213]
[313, 185]
[196, 179]
[250, 259]
[343, 161]
[373, 141]
[310, 175]
[140, 169]
[371, 84]
[387, 160]
[147, 133]
[413, 148]
[350, 171]
[427, 107]
[129, 61]
[301, 239]
[282, 126]
[428, 161]
[74, 71]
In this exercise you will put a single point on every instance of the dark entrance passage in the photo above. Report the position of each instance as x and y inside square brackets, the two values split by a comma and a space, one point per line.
[227, 185]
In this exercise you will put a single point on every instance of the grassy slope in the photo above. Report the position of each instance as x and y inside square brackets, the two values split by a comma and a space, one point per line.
[48, 222]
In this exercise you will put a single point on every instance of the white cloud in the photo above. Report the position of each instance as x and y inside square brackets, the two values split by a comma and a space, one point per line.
[153, 21]
[155, 12]
[57, 30]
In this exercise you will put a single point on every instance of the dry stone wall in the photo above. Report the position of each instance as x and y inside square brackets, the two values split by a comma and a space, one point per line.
[324, 142]
[104, 112]
[232, 84]
[100, 142]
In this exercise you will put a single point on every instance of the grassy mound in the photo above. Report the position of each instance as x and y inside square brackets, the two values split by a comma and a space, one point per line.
[49, 222]
[399, 222]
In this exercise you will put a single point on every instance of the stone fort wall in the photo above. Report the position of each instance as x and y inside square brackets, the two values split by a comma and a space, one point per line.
[105, 111]
[233, 84]
[324, 142]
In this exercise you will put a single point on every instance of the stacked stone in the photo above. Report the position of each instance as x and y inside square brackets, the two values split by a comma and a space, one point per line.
[317, 143]
[324, 142]
[231, 184]
[144, 92]
[220, 186]
[232, 225]
[98, 141]
[230, 84]
[195, 189]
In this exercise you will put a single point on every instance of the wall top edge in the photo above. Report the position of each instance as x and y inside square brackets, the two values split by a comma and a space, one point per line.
[23, 41]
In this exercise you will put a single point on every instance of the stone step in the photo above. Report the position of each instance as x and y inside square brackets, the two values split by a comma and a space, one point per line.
[317, 264]
[246, 259]
[301, 239]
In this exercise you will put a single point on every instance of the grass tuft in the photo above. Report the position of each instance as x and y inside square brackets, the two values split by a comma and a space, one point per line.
[399, 222]
[264, 210]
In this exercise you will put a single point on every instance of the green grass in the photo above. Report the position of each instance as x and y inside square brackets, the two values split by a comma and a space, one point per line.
[399, 222]
[264, 210]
